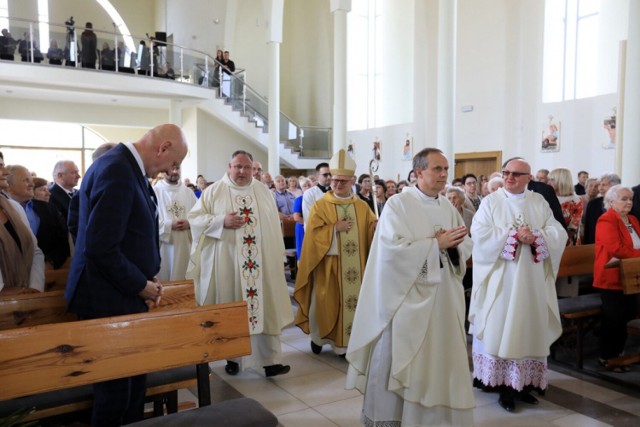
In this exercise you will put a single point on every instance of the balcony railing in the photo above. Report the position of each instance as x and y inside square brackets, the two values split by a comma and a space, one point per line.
[115, 52]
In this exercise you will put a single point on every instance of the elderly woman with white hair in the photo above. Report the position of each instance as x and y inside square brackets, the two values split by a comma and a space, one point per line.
[495, 183]
[617, 237]
[457, 197]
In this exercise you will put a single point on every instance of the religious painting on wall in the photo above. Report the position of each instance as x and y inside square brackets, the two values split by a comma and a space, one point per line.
[610, 128]
[350, 151]
[551, 136]
[407, 148]
[375, 150]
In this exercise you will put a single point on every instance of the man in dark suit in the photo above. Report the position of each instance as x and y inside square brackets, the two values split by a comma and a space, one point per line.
[635, 210]
[113, 271]
[65, 177]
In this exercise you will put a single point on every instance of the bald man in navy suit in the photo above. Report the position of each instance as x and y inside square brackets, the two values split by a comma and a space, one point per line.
[113, 271]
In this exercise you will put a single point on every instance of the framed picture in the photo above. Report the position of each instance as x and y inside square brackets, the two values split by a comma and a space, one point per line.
[350, 152]
[407, 149]
[610, 127]
[550, 140]
[375, 150]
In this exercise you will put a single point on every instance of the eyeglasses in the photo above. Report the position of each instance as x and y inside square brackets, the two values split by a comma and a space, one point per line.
[326, 175]
[506, 174]
[470, 183]
[340, 181]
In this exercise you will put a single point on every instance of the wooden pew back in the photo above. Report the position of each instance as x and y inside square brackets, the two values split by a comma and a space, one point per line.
[577, 260]
[51, 307]
[58, 356]
[630, 275]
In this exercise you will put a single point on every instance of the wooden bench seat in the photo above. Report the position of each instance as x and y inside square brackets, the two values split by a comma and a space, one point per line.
[52, 357]
[50, 307]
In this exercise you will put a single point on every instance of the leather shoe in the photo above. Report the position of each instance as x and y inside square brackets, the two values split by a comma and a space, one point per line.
[315, 348]
[232, 368]
[273, 370]
[507, 402]
[528, 398]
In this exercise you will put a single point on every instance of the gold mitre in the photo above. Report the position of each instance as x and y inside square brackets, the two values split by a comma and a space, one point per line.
[342, 164]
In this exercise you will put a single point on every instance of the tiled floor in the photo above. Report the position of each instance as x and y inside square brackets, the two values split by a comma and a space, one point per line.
[313, 395]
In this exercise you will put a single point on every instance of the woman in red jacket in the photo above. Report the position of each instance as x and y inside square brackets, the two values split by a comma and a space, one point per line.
[617, 237]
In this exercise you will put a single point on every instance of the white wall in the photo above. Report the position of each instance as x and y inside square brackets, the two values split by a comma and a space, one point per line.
[211, 144]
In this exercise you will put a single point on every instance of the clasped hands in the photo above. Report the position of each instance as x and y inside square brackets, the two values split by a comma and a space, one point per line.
[152, 292]
[450, 238]
[525, 235]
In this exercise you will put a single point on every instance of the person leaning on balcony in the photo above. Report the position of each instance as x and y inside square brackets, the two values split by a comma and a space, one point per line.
[89, 41]
[54, 54]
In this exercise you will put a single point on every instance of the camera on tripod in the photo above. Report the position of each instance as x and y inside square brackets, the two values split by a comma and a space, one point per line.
[70, 25]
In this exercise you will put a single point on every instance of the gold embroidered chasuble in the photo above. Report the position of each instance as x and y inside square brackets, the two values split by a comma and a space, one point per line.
[335, 279]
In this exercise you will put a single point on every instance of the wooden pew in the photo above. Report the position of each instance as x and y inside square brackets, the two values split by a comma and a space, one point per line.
[579, 314]
[50, 307]
[56, 280]
[55, 357]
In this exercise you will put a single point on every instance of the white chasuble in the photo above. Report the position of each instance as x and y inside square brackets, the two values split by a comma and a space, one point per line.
[174, 203]
[514, 309]
[408, 350]
[244, 264]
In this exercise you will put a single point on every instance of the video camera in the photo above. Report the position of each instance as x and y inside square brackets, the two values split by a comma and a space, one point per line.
[70, 23]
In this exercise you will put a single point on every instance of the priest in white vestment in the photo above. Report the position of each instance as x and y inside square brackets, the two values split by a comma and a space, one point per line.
[514, 308]
[174, 203]
[408, 347]
[238, 254]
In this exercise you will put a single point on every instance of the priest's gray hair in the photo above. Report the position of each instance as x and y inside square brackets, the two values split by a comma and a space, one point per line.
[420, 159]
[613, 194]
[241, 152]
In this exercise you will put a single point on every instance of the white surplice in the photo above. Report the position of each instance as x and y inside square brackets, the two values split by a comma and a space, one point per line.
[219, 265]
[408, 348]
[514, 308]
[174, 202]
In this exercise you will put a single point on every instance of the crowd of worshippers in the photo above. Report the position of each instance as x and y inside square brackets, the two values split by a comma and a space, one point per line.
[365, 242]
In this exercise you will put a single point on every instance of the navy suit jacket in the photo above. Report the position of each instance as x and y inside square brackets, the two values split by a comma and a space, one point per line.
[117, 248]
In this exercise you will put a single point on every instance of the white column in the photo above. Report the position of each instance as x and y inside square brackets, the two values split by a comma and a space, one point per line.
[445, 133]
[274, 12]
[273, 157]
[175, 112]
[629, 131]
[340, 8]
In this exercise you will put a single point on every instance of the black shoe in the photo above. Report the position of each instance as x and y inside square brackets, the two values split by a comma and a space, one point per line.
[528, 398]
[343, 355]
[507, 402]
[232, 368]
[316, 348]
[273, 370]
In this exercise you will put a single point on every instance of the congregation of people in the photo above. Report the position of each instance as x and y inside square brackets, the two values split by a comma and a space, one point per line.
[381, 264]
